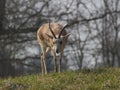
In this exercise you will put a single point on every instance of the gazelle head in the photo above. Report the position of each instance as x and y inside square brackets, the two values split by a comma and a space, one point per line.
[59, 41]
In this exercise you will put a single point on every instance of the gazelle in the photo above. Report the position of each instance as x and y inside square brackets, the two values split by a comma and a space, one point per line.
[52, 37]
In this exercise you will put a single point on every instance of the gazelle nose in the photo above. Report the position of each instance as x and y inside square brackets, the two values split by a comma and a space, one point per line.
[57, 51]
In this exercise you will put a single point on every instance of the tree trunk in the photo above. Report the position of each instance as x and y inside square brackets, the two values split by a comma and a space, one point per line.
[2, 13]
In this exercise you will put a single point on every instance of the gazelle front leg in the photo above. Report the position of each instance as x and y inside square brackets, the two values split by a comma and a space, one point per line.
[55, 61]
[60, 61]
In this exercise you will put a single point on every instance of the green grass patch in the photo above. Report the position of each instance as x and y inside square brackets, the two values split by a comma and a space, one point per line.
[101, 79]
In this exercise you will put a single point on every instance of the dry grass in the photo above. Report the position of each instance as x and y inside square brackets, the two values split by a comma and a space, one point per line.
[102, 79]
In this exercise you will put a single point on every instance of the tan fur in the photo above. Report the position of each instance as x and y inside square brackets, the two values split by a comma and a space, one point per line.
[46, 44]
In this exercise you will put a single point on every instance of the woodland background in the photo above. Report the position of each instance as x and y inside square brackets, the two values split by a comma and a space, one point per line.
[94, 42]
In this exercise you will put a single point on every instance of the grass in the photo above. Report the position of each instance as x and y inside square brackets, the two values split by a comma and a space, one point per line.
[102, 79]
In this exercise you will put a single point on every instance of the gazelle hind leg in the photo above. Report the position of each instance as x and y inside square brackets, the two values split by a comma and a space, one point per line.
[42, 67]
[44, 62]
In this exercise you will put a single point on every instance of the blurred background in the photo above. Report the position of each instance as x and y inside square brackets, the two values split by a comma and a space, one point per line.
[94, 42]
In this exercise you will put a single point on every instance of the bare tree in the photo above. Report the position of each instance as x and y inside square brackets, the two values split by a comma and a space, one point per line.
[2, 13]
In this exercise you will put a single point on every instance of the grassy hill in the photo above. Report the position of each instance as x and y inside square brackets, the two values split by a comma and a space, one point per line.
[102, 79]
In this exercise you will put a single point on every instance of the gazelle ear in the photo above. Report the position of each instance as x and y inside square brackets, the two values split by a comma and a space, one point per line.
[49, 36]
[66, 36]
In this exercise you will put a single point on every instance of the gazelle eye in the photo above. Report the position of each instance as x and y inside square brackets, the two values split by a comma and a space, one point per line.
[54, 42]
[60, 42]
